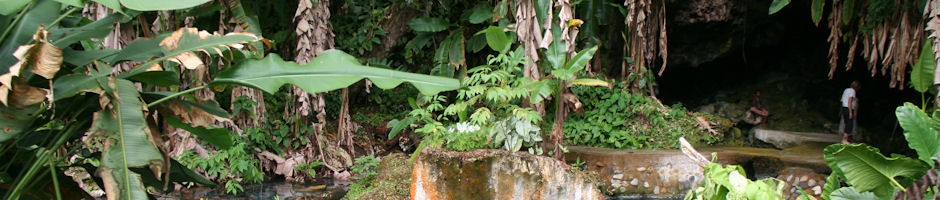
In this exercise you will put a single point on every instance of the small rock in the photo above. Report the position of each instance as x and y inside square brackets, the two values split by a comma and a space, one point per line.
[811, 183]
[641, 169]
[646, 184]
[617, 176]
[789, 177]
[656, 190]
[803, 178]
[634, 182]
[817, 190]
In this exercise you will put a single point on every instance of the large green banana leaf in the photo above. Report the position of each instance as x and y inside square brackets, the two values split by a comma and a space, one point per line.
[922, 73]
[868, 170]
[333, 69]
[129, 143]
[920, 132]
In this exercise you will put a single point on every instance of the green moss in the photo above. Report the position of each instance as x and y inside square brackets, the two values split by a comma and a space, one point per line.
[392, 181]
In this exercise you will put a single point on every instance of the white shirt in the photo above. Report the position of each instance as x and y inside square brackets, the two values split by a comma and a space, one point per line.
[848, 93]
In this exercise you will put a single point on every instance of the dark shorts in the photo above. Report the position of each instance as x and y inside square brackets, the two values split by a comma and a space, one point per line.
[848, 122]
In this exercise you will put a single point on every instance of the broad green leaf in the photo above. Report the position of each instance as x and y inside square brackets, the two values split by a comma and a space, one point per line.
[480, 13]
[150, 5]
[497, 39]
[112, 4]
[848, 11]
[589, 82]
[777, 5]
[12, 6]
[849, 193]
[139, 50]
[42, 13]
[129, 142]
[333, 69]
[73, 84]
[817, 10]
[868, 170]
[157, 78]
[833, 183]
[65, 36]
[920, 131]
[922, 74]
[181, 45]
[397, 126]
[14, 121]
[428, 24]
[82, 58]
[577, 63]
[219, 137]
[557, 52]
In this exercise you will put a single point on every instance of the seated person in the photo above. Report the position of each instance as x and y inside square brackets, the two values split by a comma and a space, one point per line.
[756, 115]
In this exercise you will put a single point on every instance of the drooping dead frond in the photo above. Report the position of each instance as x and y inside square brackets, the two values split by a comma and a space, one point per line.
[646, 37]
[41, 58]
[889, 45]
[529, 32]
[835, 36]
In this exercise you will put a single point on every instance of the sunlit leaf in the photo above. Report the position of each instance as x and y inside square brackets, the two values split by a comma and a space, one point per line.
[150, 5]
[920, 131]
[866, 169]
[577, 63]
[777, 5]
[589, 82]
[332, 69]
[428, 24]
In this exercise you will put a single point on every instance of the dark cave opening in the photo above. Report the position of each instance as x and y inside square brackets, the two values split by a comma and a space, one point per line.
[784, 56]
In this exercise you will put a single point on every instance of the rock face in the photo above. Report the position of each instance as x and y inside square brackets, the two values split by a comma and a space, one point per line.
[787, 139]
[669, 173]
[497, 174]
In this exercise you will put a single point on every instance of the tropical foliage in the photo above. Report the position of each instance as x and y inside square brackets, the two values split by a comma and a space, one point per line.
[869, 173]
[74, 100]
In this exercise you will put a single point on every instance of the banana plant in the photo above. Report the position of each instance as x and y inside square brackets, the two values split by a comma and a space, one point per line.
[564, 74]
[54, 92]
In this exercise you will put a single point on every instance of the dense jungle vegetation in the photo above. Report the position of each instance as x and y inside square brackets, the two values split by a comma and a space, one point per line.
[135, 98]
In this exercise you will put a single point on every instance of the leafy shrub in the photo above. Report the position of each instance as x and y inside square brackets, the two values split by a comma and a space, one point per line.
[730, 182]
[622, 120]
[232, 166]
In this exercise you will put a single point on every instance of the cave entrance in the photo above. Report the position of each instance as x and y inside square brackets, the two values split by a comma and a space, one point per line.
[717, 67]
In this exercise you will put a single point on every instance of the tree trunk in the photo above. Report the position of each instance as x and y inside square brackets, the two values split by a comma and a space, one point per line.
[314, 35]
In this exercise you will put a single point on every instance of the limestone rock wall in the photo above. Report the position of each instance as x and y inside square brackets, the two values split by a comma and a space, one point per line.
[497, 174]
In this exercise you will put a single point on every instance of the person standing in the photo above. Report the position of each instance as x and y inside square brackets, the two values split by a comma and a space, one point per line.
[849, 105]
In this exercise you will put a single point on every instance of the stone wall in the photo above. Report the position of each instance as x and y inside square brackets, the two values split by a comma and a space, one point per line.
[669, 173]
[497, 174]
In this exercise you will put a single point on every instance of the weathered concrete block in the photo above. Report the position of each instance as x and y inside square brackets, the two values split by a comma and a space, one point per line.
[497, 174]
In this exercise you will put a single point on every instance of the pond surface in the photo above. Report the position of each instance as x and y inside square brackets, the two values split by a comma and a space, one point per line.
[324, 189]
